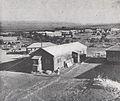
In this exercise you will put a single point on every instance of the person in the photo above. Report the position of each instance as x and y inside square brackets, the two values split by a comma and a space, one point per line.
[58, 71]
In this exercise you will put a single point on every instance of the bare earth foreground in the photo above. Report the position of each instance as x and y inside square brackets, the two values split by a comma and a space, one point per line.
[17, 86]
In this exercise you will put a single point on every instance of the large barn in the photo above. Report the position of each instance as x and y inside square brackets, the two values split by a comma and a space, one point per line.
[58, 56]
[113, 53]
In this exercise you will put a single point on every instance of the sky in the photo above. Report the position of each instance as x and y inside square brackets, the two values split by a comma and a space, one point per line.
[76, 11]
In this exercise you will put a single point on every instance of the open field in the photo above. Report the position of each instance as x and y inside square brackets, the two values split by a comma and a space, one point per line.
[12, 84]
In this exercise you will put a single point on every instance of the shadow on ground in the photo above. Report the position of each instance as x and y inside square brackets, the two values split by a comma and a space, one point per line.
[106, 70]
[95, 60]
[19, 65]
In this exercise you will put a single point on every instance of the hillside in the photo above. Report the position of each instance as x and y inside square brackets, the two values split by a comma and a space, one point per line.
[34, 25]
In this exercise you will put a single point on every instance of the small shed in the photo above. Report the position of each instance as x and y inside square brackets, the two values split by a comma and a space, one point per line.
[59, 56]
[113, 53]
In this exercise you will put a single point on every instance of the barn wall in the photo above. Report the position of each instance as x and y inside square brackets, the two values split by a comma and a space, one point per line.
[47, 63]
[65, 57]
[59, 61]
[113, 56]
[46, 60]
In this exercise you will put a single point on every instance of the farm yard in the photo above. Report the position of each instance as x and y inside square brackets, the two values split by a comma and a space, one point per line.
[69, 86]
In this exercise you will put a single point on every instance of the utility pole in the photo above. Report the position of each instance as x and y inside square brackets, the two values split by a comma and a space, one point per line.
[41, 40]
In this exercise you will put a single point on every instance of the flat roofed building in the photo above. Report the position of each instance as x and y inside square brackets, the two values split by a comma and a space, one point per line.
[59, 56]
[55, 33]
[113, 53]
[8, 39]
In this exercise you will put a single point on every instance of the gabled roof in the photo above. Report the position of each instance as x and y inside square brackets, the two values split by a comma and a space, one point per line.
[38, 45]
[114, 48]
[65, 48]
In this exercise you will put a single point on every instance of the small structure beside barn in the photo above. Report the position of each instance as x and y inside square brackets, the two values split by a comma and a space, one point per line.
[113, 53]
[33, 47]
[58, 56]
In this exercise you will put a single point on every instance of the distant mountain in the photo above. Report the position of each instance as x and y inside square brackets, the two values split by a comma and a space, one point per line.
[24, 26]
[27, 26]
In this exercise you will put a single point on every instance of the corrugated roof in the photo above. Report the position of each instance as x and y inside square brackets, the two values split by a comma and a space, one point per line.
[114, 48]
[65, 48]
[38, 45]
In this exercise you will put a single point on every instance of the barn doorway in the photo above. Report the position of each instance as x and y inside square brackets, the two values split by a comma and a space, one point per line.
[75, 57]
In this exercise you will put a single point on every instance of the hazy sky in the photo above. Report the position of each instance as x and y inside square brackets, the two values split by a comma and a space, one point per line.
[78, 11]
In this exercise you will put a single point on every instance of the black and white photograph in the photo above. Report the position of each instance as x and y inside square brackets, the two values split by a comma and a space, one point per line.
[59, 50]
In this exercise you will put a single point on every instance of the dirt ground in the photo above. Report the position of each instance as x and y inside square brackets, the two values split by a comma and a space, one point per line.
[17, 86]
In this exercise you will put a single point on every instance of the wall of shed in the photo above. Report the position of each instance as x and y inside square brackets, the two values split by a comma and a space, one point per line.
[45, 59]
[113, 56]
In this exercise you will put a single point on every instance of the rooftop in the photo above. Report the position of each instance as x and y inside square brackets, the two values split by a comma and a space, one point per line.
[56, 33]
[8, 38]
[38, 45]
[58, 50]
[114, 48]
[36, 57]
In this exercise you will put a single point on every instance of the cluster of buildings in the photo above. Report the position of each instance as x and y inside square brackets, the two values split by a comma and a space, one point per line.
[9, 42]
[49, 56]
[60, 33]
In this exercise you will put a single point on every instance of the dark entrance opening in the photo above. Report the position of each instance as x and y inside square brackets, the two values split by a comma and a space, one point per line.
[75, 57]
[82, 57]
